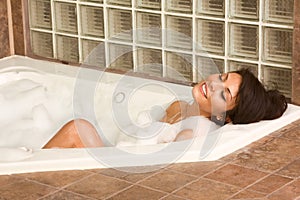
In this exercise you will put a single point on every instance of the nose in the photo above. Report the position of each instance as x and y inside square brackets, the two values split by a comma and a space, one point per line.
[215, 85]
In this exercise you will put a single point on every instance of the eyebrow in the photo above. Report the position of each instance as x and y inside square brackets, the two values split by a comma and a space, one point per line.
[226, 78]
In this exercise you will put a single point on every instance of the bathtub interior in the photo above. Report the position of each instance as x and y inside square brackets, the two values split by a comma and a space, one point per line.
[50, 98]
[129, 95]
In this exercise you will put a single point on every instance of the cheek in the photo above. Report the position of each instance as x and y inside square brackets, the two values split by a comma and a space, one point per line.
[197, 95]
[218, 105]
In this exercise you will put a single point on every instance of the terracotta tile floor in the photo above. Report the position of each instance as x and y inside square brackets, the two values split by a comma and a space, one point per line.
[266, 169]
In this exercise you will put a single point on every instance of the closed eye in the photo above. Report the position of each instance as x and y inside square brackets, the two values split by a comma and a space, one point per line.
[223, 95]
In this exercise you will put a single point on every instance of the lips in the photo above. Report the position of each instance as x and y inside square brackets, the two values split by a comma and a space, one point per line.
[203, 90]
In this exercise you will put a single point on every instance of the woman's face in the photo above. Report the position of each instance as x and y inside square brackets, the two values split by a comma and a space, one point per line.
[217, 93]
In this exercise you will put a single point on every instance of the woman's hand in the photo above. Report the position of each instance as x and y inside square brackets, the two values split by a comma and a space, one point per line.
[175, 112]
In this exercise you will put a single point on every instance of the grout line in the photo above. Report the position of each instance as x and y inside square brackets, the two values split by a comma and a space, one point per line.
[222, 164]
[150, 188]
[76, 181]
[118, 192]
[49, 194]
[197, 179]
[261, 170]
[52, 193]
[245, 188]
[281, 187]
[269, 174]
[40, 183]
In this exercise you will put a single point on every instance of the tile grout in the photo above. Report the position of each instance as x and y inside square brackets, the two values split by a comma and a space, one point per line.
[280, 187]
[135, 183]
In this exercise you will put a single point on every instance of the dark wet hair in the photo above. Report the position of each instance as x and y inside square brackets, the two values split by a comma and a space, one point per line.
[254, 102]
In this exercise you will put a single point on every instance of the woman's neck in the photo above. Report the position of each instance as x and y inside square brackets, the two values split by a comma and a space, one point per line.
[195, 110]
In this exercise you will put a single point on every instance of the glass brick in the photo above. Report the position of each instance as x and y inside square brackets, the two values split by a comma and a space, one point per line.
[179, 66]
[149, 61]
[246, 9]
[93, 53]
[65, 17]
[211, 7]
[234, 66]
[278, 45]
[148, 28]
[120, 57]
[67, 48]
[244, 41]
[149, 4]
[92, 21]
[210, 36]
[181, 6]
[207, 66]
[179, 32]
[120, 24]
[42, 44]
[40, 14]
[280, 11]
[277, 78]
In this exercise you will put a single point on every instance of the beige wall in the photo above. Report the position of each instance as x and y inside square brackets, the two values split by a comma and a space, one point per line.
[296, 56]
[11, 29]
[4, 32]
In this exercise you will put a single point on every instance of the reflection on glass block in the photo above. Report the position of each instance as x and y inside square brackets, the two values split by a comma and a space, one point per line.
[278, 45]
[207, 66]
[148, 28]
[247, 9]
[277, 78]
[234, 66]
[120, 57]
[279, 11]
[179, 66]
[210, 36]
[149, 4]
[65, 17]
[93, 53]
[40, 14]
[149, 61]
[182, 6]
[179, 32]
[42, 44]
[92, 21]
[67, 48]
[120, 24]
[244, 40]
[211, 7]
[120, 2]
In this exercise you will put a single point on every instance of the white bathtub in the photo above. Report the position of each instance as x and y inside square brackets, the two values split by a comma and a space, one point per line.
[100, 98]
[143, 94]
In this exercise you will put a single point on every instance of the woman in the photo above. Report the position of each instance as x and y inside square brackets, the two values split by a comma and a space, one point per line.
[237, 97]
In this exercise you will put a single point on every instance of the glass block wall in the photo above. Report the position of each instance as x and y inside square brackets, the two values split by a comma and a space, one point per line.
[256, 34]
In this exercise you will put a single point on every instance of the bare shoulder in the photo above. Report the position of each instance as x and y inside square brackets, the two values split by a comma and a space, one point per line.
[177, 105]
